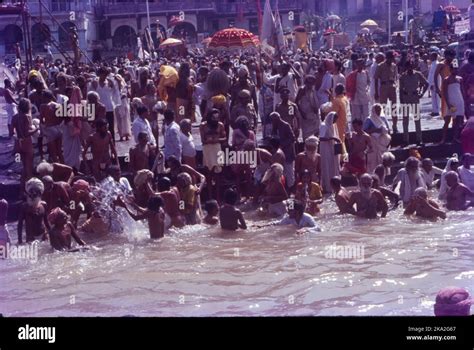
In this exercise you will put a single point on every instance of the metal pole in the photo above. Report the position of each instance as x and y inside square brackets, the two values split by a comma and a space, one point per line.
[406, 21]
[389, 21]
[148, 15]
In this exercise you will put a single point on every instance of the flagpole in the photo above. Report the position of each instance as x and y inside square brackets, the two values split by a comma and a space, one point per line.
[389, 21]
[148, 15]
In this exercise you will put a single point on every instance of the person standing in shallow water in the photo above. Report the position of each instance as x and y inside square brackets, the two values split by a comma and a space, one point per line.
[422, 206]
[153, 213]
[62, 230]
[368, 200]
[230, 217]
[459, 196]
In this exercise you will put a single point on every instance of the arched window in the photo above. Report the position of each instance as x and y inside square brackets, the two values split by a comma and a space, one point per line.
[12, 34]
[186, 31]
[40, 35]
[124, 36]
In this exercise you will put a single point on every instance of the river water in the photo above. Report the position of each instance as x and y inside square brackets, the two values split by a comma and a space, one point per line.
[200, 271]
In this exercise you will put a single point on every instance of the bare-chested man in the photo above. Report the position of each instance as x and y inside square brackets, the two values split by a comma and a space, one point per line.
[50, 123]
[359, 145]
[62, 231]
[33, 213]
[171, 199]
[23, 127]
[341, 196]
[458, 194]
[56, 194]
[102, 146]
[368, 201]
[309, 160]
[141, 155]
[278, 156]
[422, 206]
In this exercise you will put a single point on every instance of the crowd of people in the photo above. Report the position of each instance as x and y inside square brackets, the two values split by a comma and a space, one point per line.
[311, 120]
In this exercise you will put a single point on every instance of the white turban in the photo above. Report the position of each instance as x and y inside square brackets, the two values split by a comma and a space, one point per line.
[34, 184]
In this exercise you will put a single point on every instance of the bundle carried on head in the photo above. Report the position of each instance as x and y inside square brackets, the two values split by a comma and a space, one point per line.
[218, 82]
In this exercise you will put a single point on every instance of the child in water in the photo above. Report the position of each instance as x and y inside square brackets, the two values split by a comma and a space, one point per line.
[154, 214]
[62, 230]
[212, 210]
[230, 217]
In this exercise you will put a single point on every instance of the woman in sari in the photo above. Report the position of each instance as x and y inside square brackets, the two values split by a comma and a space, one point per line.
[122, 110]
[71, 133]
[377, 127]
[328, 137]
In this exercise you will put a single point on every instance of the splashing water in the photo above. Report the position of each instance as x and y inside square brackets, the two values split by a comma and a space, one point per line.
[200, 271]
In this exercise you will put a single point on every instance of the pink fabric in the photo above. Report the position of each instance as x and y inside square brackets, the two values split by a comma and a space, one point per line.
[452, 301]
[80, 185]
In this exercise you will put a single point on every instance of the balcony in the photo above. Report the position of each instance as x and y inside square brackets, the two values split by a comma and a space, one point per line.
[162, 6]
[251, 6]
[59, 6]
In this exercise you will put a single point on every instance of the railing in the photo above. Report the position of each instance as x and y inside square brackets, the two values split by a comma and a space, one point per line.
[250, 6]
[162, 6]
[59, 7]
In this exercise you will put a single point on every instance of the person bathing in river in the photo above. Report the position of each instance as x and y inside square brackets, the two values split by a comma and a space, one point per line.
[368, 201]
[392, 196]
[410, 179]
[297, 217]
[62, 230]
[274, 193]
[153, 213]
[189, 199]
[458, 194]
[212, 209]
[33, 213]
[230, 217]
[309, 193]
[422, 206]
[341, 196]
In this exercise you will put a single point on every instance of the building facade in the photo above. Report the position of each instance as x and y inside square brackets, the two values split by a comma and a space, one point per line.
[50, 21]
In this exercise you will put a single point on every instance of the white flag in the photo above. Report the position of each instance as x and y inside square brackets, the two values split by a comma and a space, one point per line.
[268, 25]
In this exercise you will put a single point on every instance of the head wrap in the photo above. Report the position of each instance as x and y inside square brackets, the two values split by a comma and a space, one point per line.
[452, 301]
[142, 177]
[34, 184]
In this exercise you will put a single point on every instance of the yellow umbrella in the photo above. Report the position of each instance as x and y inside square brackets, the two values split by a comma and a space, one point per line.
[170, 42]
[369, 23]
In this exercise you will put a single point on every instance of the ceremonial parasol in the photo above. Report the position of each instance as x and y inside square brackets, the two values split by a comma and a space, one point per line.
[452, 10]
[170, 42]
[334, 18]
[369, 23]
[232, 38]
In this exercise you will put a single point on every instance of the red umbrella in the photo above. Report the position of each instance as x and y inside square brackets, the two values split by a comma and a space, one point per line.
[329, 31]
[452, 9]
[232, 38]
